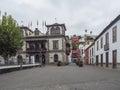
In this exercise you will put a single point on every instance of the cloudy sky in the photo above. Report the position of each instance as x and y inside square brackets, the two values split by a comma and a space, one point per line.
[78, 15]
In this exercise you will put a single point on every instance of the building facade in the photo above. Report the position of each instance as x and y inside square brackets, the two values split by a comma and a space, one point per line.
[49, 47]
[85, 43]
[75, 55]
[56, 43]
[90, 55]
[107, 45]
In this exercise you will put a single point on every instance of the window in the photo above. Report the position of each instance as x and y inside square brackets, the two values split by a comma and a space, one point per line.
[92, 51]
[55, 44]
[52, 30]
[114, 34]
[55, 30]
[97, 45]
[102, 42]
[107, 38]
[36, 31]
[31, 46]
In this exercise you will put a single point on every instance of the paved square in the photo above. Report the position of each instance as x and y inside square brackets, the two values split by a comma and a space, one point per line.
[68, 77]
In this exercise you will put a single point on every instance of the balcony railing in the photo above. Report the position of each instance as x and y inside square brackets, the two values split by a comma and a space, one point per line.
[106, 47]
[36, 50]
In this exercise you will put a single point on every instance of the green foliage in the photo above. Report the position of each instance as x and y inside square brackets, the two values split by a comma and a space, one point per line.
[74, 46]
[10, 37]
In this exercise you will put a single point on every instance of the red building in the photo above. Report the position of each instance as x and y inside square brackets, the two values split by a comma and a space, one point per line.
[75, 48]
[86, 58]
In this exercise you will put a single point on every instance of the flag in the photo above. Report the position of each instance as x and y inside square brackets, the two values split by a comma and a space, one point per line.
[37, 22]
[45, 23]
[0, 14]
[31, 24]
[42, 23]
[85, 30]
[28, 25]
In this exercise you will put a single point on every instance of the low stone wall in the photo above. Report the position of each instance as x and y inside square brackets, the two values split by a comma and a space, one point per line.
[5, 69]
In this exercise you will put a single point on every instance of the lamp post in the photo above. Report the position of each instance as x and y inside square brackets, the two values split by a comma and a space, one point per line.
[40, 59]
[20, 59]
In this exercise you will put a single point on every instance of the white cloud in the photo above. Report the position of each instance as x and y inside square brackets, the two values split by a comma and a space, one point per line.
[78, 15]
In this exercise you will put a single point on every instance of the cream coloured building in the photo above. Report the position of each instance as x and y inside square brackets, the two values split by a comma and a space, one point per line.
[56, 43]
[49, 47]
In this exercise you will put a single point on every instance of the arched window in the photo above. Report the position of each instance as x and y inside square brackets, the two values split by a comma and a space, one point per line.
[37, 59]
[57, 30]
[55, 58]
[52, 30]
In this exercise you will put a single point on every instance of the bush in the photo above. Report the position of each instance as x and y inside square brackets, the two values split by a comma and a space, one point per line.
[59, 63]
[79, 63]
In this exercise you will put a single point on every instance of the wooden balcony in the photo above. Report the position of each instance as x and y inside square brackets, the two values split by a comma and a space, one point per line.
[36, 50]
[106, 47]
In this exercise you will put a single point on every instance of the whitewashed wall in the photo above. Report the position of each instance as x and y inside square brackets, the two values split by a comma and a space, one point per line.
[112, 46]
[92, 56]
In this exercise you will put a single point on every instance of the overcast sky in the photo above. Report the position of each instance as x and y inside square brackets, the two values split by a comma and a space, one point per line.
[77, 15]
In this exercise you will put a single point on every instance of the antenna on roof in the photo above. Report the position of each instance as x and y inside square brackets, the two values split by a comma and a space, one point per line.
[56, 20]
[22, 23]
[37, 23]
[90, 32]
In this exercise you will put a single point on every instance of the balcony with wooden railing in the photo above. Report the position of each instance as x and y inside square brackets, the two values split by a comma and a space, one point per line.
[33, 50]
[106, 47]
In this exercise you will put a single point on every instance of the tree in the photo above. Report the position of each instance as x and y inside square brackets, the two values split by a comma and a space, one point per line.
[10, 37]
[74, 46]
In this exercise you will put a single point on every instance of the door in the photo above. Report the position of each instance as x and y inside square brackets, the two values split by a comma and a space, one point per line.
[43, 60]
[97, 60]
[101, 60]
[107, 59]
[114, 58]
[55, 58]
[37, 59]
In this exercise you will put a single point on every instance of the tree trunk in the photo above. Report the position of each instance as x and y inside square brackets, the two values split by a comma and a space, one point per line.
[6, 61]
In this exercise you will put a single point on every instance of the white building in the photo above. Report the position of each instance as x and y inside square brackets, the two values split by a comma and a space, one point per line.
[107, 45]
[91, 54]
[85, 43]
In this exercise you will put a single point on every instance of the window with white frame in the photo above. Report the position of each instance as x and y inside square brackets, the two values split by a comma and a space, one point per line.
[107, 38]
[97, 45]
[114, 34]
[101, 42]
[55, 44]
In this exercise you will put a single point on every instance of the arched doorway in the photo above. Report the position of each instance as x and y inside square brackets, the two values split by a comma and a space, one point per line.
[37, 59]
[43, 59]
[55, 58]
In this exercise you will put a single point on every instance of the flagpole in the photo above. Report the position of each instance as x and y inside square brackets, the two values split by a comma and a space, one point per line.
[37, 23]
[43, 26]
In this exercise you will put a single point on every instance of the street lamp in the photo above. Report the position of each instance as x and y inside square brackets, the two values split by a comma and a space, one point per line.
[40, 58]
[20, 59]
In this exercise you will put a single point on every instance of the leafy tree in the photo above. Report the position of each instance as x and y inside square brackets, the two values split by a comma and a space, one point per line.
[74, 46]
[10, 37]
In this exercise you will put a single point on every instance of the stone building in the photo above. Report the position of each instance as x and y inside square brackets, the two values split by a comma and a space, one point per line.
[49, 47]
